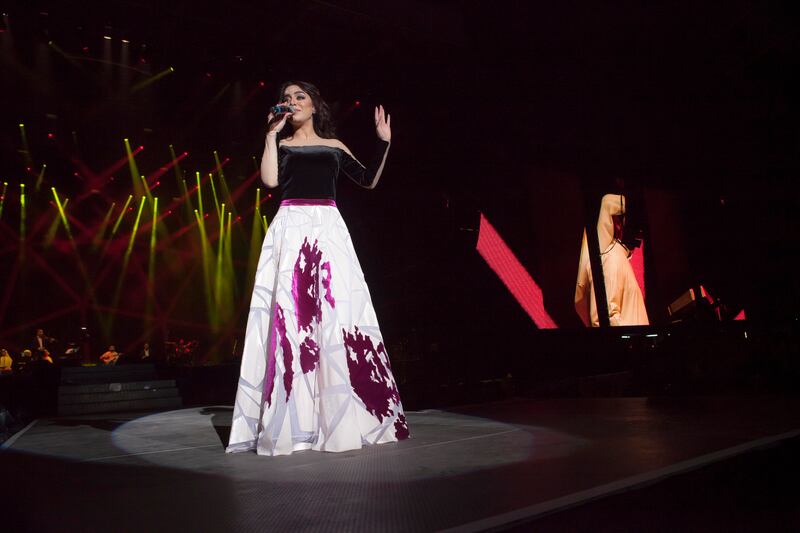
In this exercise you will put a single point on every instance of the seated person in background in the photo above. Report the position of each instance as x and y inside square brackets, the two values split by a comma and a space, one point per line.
[111, 356]
[5, 362]
[145, 352]
[44, 356]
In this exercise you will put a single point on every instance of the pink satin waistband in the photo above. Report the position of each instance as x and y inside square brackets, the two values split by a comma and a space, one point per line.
[309, 201]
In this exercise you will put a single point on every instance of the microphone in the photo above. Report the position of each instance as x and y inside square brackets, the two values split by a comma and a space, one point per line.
[281, 108]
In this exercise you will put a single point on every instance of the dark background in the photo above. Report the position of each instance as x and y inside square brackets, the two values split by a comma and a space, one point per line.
[518, 110]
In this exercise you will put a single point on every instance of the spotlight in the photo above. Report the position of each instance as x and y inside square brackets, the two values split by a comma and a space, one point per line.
[85, 49]
[125, 41]
[50, 136]
[261, 83]
[358, 103]
[107, 37]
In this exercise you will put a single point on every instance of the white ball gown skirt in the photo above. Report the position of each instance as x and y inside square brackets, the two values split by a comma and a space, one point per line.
[315, 373]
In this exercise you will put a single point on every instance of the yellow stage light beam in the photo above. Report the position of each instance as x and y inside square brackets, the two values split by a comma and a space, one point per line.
[81, 267]
[214, 192]
[62, 213]
[129, 249]
[152, 79]
[256, 239]
[138, 190]
[3, 197]
[223, 184]
[51, 231]
[98, 236]
[126, 259]
[147, 191]
[218, 273]
[121, 214]
[264, 220]
[229, 294]
[116, 225]
[206, 258]
[22, 224]
[70, 59]
[187, 202]
[26, 151]
[176, 165]
[40, 177]
[151, 270]
[199, 196]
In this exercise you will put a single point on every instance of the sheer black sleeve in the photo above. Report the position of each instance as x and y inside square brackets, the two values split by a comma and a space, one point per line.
[364, 176]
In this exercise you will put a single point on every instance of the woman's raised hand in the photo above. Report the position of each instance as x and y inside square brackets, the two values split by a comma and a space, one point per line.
[383, 124]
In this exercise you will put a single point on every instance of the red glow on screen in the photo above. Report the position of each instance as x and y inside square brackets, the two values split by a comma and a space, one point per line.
[637, 262]
[740, 316]
[519, 282]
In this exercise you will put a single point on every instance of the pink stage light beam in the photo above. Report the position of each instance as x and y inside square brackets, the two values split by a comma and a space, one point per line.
[519, 282]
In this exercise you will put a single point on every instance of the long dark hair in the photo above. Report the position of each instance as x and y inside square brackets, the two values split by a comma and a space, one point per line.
[323, 121]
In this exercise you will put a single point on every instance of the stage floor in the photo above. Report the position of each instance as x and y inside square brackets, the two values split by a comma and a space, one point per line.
[472, 468]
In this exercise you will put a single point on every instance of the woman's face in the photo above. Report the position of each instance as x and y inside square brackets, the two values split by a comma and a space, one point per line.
[294, 96]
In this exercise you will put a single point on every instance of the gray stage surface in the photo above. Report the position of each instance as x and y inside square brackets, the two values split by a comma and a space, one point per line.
[473, 468]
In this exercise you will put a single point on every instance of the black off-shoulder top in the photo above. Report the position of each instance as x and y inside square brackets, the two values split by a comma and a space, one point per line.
[312, 171]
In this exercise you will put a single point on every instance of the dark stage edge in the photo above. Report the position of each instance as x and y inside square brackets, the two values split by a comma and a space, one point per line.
[468, 469]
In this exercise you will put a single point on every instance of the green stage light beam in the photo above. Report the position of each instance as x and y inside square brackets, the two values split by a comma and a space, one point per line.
[116, 226]
[214, 192]
[229, 295]
[147, 191]
[3, 198]
[22, 222]
[121, 214]
[256, 239]
[61, 212]
[199, 196]
[51, 231]
[40, 177]
[176, 165]
[126, 259]
[70, 59]
[187, 200]
[152, 79]
[26, 151]
[151, 270]
[218, 273]
[81, 267]
[206, 258]
[138, 190]
[129, 249]
[98, 236]
[223, 184]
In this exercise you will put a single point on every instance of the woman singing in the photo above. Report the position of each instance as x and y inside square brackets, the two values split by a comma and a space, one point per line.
[315, 373]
